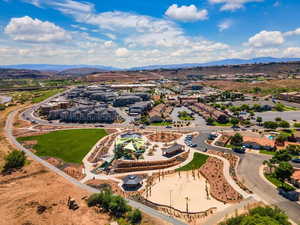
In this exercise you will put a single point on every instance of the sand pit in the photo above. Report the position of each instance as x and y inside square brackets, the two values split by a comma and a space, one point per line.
[182, 187]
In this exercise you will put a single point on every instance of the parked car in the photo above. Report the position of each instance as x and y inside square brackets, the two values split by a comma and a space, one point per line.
[296, 160]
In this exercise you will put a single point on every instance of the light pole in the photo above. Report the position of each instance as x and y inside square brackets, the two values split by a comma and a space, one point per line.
[187, 204]
[170, 198]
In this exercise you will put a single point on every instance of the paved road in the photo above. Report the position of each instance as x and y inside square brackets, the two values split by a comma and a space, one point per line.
[248, 171]
[288, 115]
[146, 209]
[5, 99]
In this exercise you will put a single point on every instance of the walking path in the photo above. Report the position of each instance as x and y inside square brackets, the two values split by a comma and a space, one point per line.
[14, 142]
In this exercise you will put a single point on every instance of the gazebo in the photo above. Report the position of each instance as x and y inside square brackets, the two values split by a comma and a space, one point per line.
[132, 182]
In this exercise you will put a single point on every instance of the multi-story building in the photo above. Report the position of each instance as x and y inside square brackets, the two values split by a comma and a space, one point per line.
[139, 108]
[290, 96]
[126, 100]
[84, 115]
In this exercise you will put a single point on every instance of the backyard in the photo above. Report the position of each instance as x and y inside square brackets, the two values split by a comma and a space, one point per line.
[68, 145]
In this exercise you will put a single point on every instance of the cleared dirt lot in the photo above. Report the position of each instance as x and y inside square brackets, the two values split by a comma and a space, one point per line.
[24, 191]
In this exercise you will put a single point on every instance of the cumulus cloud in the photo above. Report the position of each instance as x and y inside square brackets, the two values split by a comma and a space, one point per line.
[224, 25]
[34, 30]
[266, 38]
[121, 52]
[231, 5]
[293, 32]
[186, 13]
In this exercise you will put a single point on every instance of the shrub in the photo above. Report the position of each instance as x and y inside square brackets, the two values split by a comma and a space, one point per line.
[297, 125]
[14, 160]
[135, 216]
[284, 124]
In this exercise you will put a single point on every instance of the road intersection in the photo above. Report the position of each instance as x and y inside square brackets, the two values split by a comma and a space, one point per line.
[247, 170]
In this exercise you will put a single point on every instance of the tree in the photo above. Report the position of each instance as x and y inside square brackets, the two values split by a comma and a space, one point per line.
[118, 206]
[281, 156]
[14, 160]
[210, 121]
[279, 107]
[270, 125]
[234, 121]
[237, 140]
[256, 107]
[284, 124]
[260, 215]
[284, 171]
[259, 120]
[277, 119]
[280, 139]
[135, 216]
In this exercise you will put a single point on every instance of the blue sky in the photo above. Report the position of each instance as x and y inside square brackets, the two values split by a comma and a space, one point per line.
[133, 33]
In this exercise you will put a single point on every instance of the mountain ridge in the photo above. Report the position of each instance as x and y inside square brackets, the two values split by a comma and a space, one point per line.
[62, 67]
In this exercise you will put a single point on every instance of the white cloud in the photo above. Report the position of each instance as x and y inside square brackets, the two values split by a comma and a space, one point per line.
[121, 52]
[186, 13]
[108, 43]
[232, 5]
[224, 25]
[34, 30]
[292, 52]
[265, 39]
[293, 32]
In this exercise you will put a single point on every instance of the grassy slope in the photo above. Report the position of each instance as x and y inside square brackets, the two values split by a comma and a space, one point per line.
[198, 160]
[46, 94]
[68, 145]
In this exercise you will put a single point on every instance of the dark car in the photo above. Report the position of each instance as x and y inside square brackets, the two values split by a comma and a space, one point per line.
[296, 160]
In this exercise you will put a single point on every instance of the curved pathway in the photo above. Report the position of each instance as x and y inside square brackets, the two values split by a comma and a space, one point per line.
[248, 171]
[12, 139]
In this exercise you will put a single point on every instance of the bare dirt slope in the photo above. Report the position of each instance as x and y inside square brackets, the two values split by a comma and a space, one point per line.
[23, 192]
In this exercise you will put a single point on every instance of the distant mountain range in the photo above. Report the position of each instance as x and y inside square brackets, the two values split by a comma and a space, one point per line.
[218, 63]
[54, 67]
[99, 68]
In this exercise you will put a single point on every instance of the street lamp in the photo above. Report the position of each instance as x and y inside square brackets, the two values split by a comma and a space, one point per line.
[170, 198]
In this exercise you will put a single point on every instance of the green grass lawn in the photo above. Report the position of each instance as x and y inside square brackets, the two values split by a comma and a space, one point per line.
[267, 152]
[186, 118]
[164, 123]
[215, 123]
[198, 160]
[68, 145]
[43, 95]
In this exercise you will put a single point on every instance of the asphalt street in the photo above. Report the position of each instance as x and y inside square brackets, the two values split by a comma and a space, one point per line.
[248, 168]
[146, 209]
[248, 171]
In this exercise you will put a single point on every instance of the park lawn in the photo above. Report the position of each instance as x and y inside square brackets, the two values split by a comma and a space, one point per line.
[164, 123]
[69, 145]
[198, 160]
[267, 152]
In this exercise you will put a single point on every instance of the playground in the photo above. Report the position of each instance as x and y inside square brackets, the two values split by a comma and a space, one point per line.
[184, 190]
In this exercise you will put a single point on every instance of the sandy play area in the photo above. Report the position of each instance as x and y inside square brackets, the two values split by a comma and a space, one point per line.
[182, 187]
